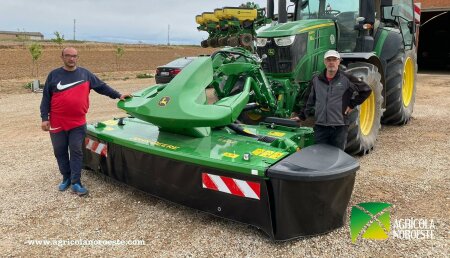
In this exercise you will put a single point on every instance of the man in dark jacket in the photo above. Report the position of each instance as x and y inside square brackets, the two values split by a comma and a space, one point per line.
[334, 94]
[64, 105]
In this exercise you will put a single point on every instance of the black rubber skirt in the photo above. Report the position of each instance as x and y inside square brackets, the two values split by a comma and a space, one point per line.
[304, 194]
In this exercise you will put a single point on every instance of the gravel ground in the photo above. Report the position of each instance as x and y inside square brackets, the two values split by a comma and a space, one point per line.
[409, 169]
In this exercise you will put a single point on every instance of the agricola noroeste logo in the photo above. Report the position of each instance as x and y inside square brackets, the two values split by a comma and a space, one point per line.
[370, 220]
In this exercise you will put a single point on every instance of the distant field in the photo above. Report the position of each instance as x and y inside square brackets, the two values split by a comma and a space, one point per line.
[16, 62]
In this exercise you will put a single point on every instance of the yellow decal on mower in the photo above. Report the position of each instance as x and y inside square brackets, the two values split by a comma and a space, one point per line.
[267, 153]
[276, 134]
[164, 101]
[110, 122]
[155, 143]
[230, 155]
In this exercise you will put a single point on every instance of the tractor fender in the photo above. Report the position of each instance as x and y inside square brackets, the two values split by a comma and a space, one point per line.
[391, 46]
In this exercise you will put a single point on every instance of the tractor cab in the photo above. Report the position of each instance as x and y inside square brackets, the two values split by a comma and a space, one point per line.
[343, 13]
[357, 21]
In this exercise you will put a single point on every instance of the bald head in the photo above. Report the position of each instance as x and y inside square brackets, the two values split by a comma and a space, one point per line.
[70, 49]
[69, 56]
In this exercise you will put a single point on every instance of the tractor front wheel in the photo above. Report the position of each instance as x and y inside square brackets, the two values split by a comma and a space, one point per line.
[365, 119]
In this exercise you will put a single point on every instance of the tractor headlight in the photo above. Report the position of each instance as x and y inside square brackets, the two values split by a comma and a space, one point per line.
[284, 41]
[261, 42]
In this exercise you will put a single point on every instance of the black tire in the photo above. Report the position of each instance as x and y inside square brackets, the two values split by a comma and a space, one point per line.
[223, 41]
[401, 78]
[365, 119]
[233, 41]
[204, 43]
[246, 39]
[213, 42]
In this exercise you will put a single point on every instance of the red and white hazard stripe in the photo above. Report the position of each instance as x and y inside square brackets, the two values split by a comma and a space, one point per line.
[232, 186]
[417, 11]
[97, 147]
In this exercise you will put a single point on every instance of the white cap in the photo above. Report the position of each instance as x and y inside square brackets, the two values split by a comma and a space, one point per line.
[331, 53]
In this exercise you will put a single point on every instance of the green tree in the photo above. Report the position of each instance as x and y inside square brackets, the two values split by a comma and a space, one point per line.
[59, 38]
[119, 53]
[36, 52]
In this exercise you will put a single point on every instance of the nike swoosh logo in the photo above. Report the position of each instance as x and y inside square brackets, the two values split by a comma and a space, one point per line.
[65, 86]
[53, 129]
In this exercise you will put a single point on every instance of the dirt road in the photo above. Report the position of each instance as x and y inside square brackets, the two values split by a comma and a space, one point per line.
[409, 169]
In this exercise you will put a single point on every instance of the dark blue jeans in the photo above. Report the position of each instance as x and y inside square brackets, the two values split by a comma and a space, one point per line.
[67, 147]
[331, 135]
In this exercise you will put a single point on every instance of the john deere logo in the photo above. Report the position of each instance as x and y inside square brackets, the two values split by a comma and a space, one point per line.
[271, 52]
[164, 101]
[370, 220]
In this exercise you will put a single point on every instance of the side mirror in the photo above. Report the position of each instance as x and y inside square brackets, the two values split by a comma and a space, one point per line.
[389, 14]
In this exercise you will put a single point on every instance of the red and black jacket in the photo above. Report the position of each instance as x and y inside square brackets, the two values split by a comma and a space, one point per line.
[65, 100]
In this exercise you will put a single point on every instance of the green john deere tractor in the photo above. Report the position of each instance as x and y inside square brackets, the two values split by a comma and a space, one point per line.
[376, 40]
[240, 157]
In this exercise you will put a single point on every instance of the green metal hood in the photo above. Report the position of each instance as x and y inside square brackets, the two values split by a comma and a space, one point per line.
[222, 149]
[293, 28]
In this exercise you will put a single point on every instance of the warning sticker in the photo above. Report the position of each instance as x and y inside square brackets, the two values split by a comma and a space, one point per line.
[276, 134]
[230, 155]
[267, 153]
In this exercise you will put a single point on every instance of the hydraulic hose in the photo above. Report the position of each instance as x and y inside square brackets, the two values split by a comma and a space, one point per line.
[262, 138]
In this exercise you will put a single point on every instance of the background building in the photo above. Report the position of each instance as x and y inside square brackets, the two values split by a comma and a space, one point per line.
[434, 40]
[21, 35]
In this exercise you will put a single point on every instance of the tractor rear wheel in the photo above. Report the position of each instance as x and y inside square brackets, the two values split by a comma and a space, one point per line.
[401, 76]
[365, 118]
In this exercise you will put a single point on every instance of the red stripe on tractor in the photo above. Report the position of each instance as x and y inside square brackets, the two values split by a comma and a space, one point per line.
[208, 182]
[104, 151]
[94, 146]
[231, 187]
[417, 9]
[234, 189]
[256, 187]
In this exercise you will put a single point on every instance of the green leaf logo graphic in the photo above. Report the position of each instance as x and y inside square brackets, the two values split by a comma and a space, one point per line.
[371, 220]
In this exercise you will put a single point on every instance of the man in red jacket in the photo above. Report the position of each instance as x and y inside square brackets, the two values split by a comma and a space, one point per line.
[65, 102]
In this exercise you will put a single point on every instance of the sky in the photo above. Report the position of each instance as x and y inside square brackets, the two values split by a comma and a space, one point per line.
[121, 21]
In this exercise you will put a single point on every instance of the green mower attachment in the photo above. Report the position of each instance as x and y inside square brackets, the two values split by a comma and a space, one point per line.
[176, 146]
[182, 107]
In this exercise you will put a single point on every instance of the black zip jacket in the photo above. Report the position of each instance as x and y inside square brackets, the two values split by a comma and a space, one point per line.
[330, 99]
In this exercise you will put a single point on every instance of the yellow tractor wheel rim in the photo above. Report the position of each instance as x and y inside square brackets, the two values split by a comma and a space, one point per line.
[367, 115]
[408, 82]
